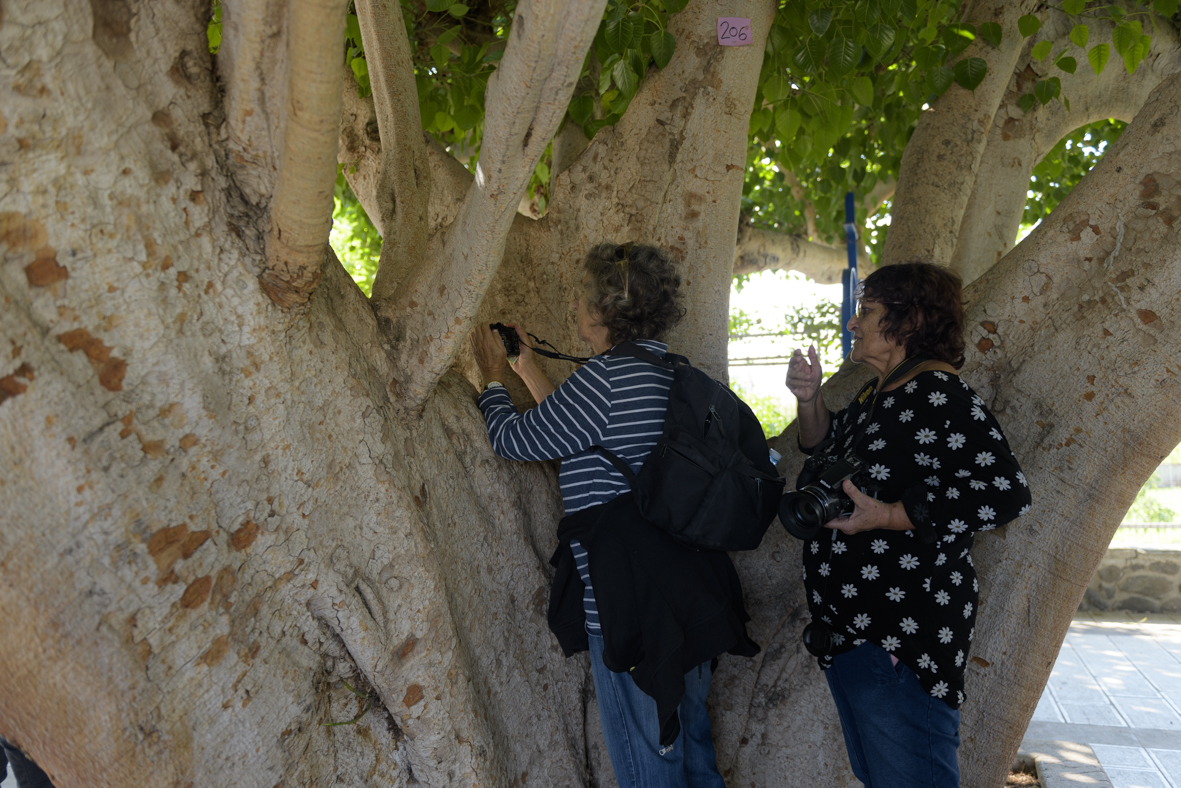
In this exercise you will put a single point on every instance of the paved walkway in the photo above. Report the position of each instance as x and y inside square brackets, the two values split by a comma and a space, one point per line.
[1117, 687]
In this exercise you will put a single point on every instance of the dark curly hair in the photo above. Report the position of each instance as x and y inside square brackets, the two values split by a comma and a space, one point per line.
[928, 314]
[633, 290]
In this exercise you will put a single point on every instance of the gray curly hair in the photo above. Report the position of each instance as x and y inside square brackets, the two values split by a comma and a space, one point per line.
[634, 290]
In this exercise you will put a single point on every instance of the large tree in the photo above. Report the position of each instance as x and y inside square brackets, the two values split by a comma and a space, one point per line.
[243, 501]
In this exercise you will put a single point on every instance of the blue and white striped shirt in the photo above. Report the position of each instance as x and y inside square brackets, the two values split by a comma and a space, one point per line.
[617, 402]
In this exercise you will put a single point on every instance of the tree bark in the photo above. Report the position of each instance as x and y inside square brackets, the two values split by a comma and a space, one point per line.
[766, 250]
[944, 151]
[1018, 141]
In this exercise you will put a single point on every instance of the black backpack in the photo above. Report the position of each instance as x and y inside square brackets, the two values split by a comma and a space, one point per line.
[709, 481]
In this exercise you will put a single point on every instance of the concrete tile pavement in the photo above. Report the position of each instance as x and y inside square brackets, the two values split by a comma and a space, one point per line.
[1116, 687]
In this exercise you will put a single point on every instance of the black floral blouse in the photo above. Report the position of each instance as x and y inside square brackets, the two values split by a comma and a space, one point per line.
[933, 445]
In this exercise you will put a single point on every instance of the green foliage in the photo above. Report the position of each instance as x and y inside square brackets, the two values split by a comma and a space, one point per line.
[1146, 508]
[354, 238]
[1065, 165]
[772, 413]
[213, 29]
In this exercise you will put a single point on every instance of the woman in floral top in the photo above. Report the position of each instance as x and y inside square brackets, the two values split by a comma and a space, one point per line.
[894, 580]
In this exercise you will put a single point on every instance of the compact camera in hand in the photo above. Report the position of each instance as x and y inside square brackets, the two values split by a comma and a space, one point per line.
[819, 496]
[512, 343]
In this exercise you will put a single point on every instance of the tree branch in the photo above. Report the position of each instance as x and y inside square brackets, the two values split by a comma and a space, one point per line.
[403, 176]
[767, 250]
[939, 164]
[432, 313]
[1018, 141]
[797, 191]
[301, 213]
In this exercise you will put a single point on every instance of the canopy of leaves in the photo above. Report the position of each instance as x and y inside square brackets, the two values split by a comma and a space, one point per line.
[841, 88]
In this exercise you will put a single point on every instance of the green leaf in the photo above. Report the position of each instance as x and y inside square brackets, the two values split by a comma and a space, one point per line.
[438, 5]
[939, 79]
[352, 29]
[878, 39]
[890, 8]
[776, 88]
[819, 20]
[1097, 56]
[605, 73]
[862, 90]
[467, 116]
[1165, 7]
[958, 37]
[1041, 50]
[1028, 25]
[1126, 36]
[1046, 90]
[1067, 64]
[458, 10]
[440, 54]
[1074, 7]
[1026, 102]
[1137, 53]
[969, 72]
[618, 33]
[1079, 35]
[675, 6]
[760, 119]
[360, 68]
[625, 78]
[662, 44]
[581, 108]
[449, 36]
[787, 122]
[843, 54]
[929, 57]
[810, 56]
[443, 121]
[992, 33]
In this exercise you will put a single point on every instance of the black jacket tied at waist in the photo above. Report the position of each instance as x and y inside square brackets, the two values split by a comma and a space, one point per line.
[664, 608]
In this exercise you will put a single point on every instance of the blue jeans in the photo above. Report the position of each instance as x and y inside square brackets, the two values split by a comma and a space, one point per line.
[632, 731]
[897, 734]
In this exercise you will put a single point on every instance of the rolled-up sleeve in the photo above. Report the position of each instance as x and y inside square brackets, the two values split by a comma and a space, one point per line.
[567, 422]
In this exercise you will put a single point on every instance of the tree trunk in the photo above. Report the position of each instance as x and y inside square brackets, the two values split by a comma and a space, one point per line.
[224, 509]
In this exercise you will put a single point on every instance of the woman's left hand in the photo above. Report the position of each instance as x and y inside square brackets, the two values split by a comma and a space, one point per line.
[870, 513]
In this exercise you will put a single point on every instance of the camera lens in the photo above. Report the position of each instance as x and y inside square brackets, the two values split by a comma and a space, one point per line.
[801, 513]
[818, 639]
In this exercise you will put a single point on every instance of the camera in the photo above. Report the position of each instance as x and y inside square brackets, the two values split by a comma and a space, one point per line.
[508, 336]
[819, 639]
[819, 496]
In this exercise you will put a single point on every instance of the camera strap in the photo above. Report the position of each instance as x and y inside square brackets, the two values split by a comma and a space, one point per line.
[552, 353]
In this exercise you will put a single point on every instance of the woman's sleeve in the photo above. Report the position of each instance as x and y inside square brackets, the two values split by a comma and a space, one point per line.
[568, 421]
[975, 483]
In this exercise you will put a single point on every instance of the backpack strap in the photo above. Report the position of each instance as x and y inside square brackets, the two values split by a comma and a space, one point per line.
[644, 354]
[617, 461]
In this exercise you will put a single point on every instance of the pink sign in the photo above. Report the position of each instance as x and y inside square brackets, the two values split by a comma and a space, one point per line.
[733, 31]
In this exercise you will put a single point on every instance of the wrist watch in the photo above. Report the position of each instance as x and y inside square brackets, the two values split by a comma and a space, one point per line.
[495, 384]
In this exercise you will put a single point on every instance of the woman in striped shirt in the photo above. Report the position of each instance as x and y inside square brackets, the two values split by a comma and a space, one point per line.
[617, 402]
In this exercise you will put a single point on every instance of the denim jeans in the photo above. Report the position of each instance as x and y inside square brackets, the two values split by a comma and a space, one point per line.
[897, 734]
[632, 731]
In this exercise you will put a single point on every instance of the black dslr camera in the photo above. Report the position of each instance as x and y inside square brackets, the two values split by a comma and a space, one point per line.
[512, 344]
[818, 496]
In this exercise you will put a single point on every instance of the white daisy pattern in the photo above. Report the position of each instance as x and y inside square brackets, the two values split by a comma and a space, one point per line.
[915, 592]
[941, 375]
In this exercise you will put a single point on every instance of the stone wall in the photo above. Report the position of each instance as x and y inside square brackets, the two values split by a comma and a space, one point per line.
[1140, 579]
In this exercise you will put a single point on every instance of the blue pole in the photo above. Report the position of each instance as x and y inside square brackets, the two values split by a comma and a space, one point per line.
[849, 276]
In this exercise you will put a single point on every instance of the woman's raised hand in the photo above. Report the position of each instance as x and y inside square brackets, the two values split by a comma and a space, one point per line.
[803, 375]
